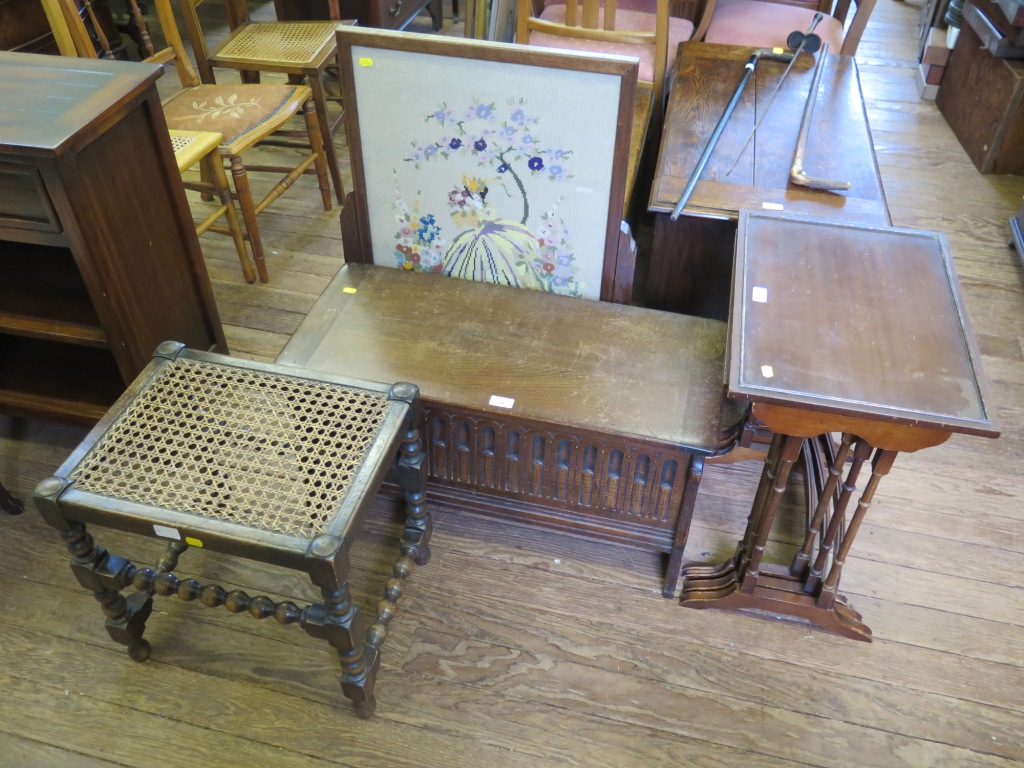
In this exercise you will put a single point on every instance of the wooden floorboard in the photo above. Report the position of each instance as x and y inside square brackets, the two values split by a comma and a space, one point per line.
[518, 647]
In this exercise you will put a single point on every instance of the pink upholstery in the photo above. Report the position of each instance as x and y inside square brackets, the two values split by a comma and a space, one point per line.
[679, 31]
[766, 24]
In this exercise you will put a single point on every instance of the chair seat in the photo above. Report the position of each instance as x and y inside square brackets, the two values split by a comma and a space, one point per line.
[192, 146]
[242, 119]
[679, 31]
[767, 25]
[300, 44]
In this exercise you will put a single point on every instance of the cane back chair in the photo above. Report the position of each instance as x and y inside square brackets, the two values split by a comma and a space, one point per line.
[303, 50]
[245, 114]
[191, 148]
[598, 26]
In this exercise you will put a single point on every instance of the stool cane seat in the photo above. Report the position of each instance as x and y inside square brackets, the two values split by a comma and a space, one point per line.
[252, 460]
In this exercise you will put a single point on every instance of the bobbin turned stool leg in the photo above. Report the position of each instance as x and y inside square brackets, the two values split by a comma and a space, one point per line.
[412, 478]
[265, 462]
[337, 621]
[103, 574]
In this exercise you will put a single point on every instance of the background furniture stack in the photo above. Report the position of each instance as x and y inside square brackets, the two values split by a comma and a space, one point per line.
[982, 94]
[932, 46]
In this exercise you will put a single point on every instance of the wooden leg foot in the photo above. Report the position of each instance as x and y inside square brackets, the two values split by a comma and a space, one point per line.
[364, 709]
[776, 592]
[140, 651]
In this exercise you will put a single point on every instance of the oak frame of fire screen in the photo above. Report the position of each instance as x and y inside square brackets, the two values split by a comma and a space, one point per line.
[488, 161]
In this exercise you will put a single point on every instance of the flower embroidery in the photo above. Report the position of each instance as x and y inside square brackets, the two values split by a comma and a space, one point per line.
[229, 107]
[485, 242]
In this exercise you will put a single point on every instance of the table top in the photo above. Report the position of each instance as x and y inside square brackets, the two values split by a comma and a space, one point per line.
[49, 104]
[853, 320]
[554, 359]
[840, 146]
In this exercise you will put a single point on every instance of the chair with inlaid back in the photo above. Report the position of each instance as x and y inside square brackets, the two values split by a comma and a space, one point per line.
[598, 26]
[191, 148]
[767, 24]
[303, 50]
[244, 114]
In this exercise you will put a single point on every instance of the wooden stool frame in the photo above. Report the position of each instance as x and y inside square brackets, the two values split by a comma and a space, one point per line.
[390, 444]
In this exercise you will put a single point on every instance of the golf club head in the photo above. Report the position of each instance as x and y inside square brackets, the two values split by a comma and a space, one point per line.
[811, 42]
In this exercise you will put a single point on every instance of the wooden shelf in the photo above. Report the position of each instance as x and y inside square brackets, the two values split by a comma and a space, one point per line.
[42, 295]
[50, 378]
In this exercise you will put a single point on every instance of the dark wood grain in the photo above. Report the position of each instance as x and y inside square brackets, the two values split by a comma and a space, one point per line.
[837, 329]
[606, 417]
[384, 324]
[705, 77]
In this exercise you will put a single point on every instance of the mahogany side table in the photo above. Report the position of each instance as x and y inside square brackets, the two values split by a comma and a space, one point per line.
[837, 328]
[252, 460]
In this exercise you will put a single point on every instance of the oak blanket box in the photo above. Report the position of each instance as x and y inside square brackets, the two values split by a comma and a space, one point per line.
[580, 416]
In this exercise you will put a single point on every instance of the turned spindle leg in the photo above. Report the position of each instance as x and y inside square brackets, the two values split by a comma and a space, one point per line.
[106, 575]
[337, 620]
[880, 466]
[412, 477]
[812, 578]
[773, 483]
[415, 546]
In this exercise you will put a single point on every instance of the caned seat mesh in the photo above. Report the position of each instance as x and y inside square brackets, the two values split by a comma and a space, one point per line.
[288, 43]
[180, 142]
[270, 452]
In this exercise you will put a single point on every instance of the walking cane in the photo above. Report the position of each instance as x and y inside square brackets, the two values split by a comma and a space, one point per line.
[797, 175]
[748, 68]
[799, 42]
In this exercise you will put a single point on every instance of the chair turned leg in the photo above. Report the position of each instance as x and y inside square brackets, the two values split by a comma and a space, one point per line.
[245, 203]
[411, 470]
[215, 169]
[327, 138]
[436, 8]
[106, 575]
[316, 143]
[412, 478]
[337, 620]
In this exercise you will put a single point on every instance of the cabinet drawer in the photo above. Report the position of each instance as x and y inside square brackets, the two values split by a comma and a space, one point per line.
[24, 202]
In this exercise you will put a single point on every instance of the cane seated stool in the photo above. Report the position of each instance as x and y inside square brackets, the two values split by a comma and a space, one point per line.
[265, 462]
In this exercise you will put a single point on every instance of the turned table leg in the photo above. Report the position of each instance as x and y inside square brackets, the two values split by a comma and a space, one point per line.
[807, 589]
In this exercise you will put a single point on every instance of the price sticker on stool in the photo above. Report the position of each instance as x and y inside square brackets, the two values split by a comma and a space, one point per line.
[501, 402]
[166, 532]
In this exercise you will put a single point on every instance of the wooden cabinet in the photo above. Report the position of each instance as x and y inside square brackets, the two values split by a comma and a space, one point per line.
[99, 260]
[982, 99]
